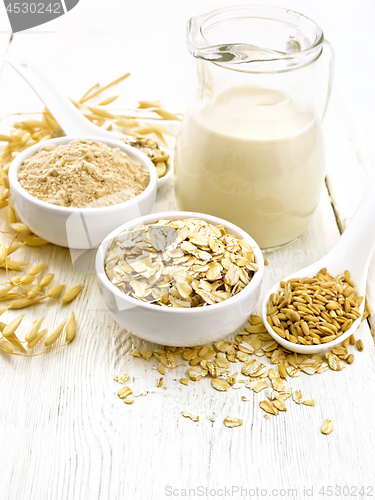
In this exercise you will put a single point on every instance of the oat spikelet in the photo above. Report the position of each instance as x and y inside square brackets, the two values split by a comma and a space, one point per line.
[34, 291]
[13, 265]
[71, 294]
[6, 289]
[12, 326]
[54, 335]
[13, 339]
[3, 309]
[13, 248]
[102, 112]
[108, 100]
[34, 329]
[3, 253]
[36, 339]
[87, 97]
[145, 104]
[12, 218]
[71, 328]
[35, 241]
[21, 303]
[26, 280]
[37, 269]
[166, 115]
[55, 290]
[20, 228]
[6, 346]
[46, 280]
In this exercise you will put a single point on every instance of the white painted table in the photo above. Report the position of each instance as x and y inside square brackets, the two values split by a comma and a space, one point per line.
[64, 434]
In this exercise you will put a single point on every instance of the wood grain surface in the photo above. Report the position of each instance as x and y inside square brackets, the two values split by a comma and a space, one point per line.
[64, 434]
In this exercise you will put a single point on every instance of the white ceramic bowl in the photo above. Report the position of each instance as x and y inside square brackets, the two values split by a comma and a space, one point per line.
[174, 326]
[79, 228]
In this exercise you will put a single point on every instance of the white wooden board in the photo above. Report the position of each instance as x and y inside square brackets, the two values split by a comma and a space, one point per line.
[64, 434]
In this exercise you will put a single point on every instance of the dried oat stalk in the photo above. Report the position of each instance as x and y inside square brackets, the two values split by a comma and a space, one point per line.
[22, 291]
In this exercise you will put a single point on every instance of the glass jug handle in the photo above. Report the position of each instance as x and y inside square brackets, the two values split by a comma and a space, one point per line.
[331, 66]
[195, 39]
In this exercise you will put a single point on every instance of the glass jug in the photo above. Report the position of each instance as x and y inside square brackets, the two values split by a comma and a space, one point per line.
[251, 149]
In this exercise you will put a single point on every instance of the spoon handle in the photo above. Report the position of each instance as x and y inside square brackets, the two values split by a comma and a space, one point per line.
[357, 243]
[70, 119]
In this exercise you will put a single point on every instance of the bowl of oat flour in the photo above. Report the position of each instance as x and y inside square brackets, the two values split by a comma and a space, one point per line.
[74, 191]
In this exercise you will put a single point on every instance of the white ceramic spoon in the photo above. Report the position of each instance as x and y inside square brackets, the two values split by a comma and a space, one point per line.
[70, 119]
[352, 252]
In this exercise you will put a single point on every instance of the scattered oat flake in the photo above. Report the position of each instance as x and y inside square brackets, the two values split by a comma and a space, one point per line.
[220, 384]
[160, 382]
[232, 422]
[129, 400]
[141, 393]
[279, 404]
[257, 385]
[268, 407]
[255, 320]
[161, 369]
[309, 402]
[185, 381]
[294, 372]
[121, 378]
[266, 416]
[334, 362]
[186, 414]
[272, 374]
[124, 392]
[297, 397]
[146, 354]
[271, 394]
[327, 427]
[244, 398]
[136, 353]
[278, 384]
[236, 386]
[284, 395]
[197, 372]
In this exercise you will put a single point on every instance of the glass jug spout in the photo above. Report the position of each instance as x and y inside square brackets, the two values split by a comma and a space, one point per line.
[223, 37]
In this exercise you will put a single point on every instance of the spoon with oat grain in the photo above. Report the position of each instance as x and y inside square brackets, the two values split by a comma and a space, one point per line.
[318, 307]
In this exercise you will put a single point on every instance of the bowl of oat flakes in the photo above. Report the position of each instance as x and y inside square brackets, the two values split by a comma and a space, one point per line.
[179, 278]
[73, 191]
